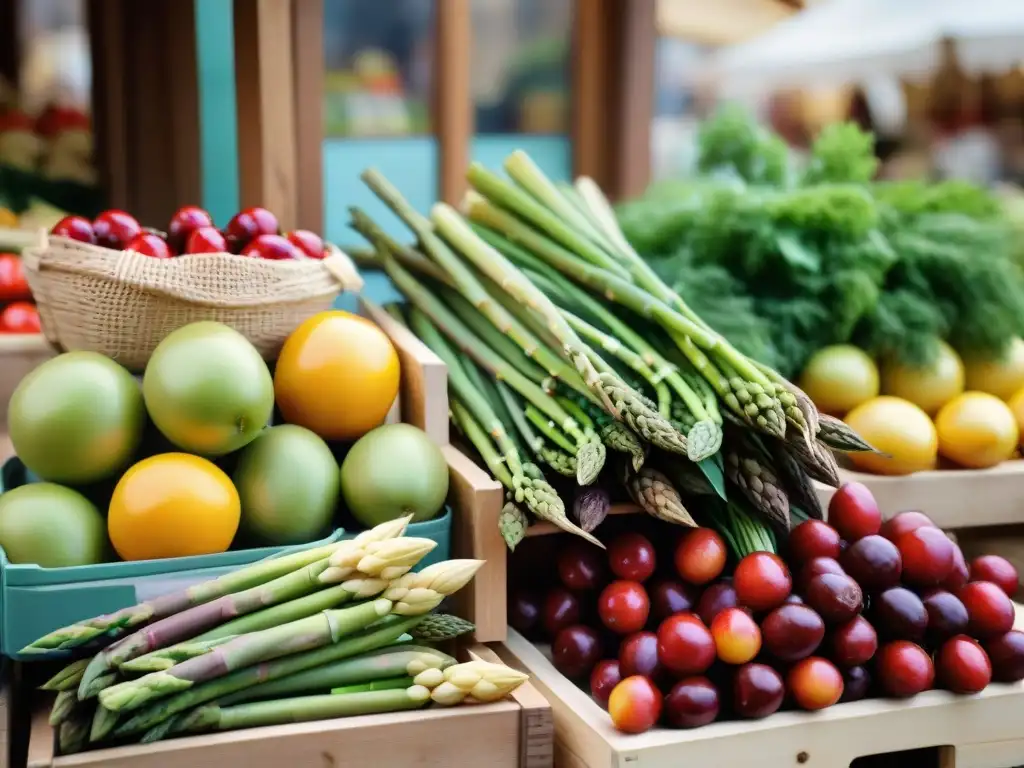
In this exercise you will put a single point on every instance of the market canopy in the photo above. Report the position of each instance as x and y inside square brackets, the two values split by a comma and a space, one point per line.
[846, 41]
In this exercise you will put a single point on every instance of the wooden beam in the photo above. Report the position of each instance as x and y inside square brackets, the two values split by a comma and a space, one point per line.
[453, 114]
[591, 90]
[634, 109]
[308, 53]
[183, 100]
[264, 90]
[109, 98]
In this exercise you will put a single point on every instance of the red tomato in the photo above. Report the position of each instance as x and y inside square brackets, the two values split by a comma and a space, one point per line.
[12, 279]
[20, 317]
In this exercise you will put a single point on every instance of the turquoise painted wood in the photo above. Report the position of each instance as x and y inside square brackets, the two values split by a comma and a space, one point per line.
[553, 153]
[34, 600]
[218, 123]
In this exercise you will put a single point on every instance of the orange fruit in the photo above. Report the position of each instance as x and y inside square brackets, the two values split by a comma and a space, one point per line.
[977, 430]
[337, 375]
[173, 505]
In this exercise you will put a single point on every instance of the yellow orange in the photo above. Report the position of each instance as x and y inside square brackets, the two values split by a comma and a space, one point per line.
[928, 387]
[337, 375]
[977, 430]
[839, 378]
[173, 505]
[897, 428]
[1001, 377]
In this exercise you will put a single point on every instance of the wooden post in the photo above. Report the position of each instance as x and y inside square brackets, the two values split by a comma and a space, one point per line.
[146, 105]
[264, 88]
[634, 105]
[453, 115]
[308, 52]
[10, 44]
[591, 92]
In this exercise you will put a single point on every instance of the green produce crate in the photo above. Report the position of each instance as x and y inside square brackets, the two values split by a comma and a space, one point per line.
[35, 600]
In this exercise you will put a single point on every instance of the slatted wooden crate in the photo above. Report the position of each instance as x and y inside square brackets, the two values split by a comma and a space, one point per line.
[517, 733]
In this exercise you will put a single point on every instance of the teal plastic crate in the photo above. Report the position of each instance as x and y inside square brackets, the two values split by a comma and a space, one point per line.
[35, 600]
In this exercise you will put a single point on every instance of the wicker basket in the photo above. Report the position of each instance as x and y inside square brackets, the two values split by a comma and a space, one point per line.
[121, 303]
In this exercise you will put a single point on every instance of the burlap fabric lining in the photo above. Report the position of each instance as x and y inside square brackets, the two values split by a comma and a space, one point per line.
[121, 303]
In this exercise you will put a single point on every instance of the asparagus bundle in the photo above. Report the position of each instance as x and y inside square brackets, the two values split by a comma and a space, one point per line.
[207, 666]
[559, 338]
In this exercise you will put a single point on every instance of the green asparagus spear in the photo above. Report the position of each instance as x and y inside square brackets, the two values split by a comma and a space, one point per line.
[387, 631]
[237, 581]
[165, 658]
[67, 678]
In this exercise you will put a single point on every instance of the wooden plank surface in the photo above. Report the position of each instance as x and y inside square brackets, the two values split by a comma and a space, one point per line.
[308, 53]
[979, 729]
[453, 99]
[424, 388]
[476, 499]
[953, 498]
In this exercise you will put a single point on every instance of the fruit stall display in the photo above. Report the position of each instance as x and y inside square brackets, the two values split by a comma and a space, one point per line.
[697, 644]
[895, 306]
[344, 630]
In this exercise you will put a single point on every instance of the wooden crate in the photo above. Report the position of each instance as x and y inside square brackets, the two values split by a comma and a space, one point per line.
[19, 354]
[953, 498]
[982, 731]
[517, 733]
[423, 397]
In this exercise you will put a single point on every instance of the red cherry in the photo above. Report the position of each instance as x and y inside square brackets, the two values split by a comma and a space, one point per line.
[904, 669]
[310, 243]
[603, 679]
[905, 522]
[623, 607]
[996, 569]
[184, 222]
[762, 581]
[582, 567]
[151, 245]
[814, 683]
[206, 240]
[990, 612]
[685, 645]
[813, 538]
[272, 248]
[251, 223]
[927, 555]
[1006, 653]
[115, 229]
[76, 228]
[854, 512]
[962, 665]
[700, 556]
[635, 705]
[631, 557]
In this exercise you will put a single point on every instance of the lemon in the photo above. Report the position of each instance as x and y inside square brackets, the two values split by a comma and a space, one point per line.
[1002, 377]
[977, 430]
[930, 387]
[898, 428]
[839, 378]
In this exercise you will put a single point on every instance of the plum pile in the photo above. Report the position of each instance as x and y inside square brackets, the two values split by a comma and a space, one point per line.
[663, 631]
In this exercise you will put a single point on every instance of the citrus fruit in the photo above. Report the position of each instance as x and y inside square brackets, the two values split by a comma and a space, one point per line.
[977, 430]
[394, 470]
[207, 389]
[287, 479]
[898, 428]
[173, 505]
[76, 419]
[929, 387]
[839, 378]
[51, 526]
[337, 375]
[1001, 377]
[1017, 406]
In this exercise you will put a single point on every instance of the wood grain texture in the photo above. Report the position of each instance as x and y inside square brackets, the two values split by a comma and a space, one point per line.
[634, 110]
[264, 88]
[423, 397]
[953, 498]
[109, 94]
[476, 500]
[537, 727]
[591, 91]
[453, 100]
[308, 53]
[965, 726]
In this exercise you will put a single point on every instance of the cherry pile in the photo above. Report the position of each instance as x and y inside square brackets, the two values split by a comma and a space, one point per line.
[856, 609]
[253, 232]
